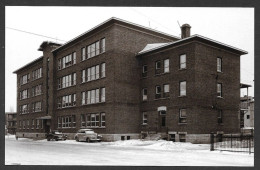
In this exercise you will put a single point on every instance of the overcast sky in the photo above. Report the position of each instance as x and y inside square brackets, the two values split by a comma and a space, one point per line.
[232, 26]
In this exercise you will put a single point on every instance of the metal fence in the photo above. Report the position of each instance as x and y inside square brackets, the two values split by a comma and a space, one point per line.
[232, 142]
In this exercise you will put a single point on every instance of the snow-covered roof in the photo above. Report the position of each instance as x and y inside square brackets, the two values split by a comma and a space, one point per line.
[146, 50]
[151, 46]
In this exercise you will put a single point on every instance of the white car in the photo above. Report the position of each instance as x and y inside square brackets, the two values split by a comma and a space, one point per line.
[87, 135]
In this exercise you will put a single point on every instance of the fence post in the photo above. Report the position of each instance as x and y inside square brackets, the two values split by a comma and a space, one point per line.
[211, 141]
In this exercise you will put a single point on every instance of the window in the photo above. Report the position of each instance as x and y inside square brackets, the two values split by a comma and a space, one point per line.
[219, 64]
[24, 79]
[37, 123]
[220, 120]
[219, 90]
[183, 115]
[96, 48]
[97, 96]
[103, 119]
[97, 71]
[36, 106]
[24, 109]
[83, 78]
[93, 70]
[183, 88]
[144, 94]
[23, 124]
[166, 66]
[157, 67]
[103, 45]
[95, 120]
[67, 81]
[183, 61]
[157, 92]
[36, 74]
[28, 124]
[83, 101]
[83, 53]
[103, 70]
[144, 71]
[166, 90]
[36, 90]
[67, 121]
[144, 118]
[67, 61]
[32, 127]
[24, 94]
[94, 96]
[103, 94]
[67, 101]
[83, 120]
[182, 137]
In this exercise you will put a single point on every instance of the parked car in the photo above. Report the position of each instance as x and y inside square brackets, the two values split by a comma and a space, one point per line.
[87, 135]
[56, 135]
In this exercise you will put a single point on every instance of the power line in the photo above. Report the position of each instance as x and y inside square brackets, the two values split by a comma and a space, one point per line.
[34, 34]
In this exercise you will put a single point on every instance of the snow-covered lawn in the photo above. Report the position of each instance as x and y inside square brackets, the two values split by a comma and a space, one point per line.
[130, 153]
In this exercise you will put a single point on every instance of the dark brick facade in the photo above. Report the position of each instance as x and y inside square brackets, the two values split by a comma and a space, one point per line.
[123, 83]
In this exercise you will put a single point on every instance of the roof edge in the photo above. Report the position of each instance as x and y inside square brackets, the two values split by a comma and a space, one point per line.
[28, 64]
[194, 36]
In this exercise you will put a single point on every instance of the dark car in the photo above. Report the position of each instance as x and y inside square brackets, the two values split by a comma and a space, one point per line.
[87, 135]
[56, 135]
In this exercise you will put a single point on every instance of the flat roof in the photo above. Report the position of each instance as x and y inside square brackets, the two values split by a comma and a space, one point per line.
[28, 64]
[197, 37]
[110, 20]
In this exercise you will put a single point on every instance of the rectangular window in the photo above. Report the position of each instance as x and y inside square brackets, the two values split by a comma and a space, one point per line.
[36, 74]
[36, 106]
[83, 94]
[83, 79]
[83, 120]
[144, 71]
[24, 79]
[59, 122]
[183, 61]
[183, 88]
[103, 119]
[67, 121]
[68, 100]
[103, 94]
[144, 94]
[93, 73]
[67, 81]
[219, 90]
[24, 94]
[28, 124]
[97, 71]
[183, 115]
[32, 127]
[166, 90]
[219, 64]
[182, 137]
[23, 124]
[145, 118]
[103, 70]
[37, 123]
[103, 45]
[67, 61]
[157, 67]
[157, 92]
[220, 120]
[24, 109]
[88, 98]
[83, 53]
[97, 48]
[166, 66]
[97, 95]
[92, 97]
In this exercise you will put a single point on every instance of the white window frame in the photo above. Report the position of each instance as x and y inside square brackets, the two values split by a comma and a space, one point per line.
[183, 60]
[166, 64]
[182, 118]
[219, 90]
[219, 64]
[183, 88]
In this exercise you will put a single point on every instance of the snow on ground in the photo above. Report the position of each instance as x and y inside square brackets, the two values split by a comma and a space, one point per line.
[130, 152]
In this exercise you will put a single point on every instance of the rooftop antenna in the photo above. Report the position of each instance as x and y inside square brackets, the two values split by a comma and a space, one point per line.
[179, 26]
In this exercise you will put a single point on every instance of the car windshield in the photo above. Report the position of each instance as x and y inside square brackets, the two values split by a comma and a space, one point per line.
[57, 133]
[89, 131]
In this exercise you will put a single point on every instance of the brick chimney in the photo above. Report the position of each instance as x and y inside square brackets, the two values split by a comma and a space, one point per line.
[185, 30]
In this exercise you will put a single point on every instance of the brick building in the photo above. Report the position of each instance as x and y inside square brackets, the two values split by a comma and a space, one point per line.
[126, 81]
[10, 122]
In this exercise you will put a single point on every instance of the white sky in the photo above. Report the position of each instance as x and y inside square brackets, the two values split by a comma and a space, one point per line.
[232, 26]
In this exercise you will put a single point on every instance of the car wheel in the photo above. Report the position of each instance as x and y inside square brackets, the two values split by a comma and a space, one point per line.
[48, 139]
[77, 139]
[88, 140]
[56, 139]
